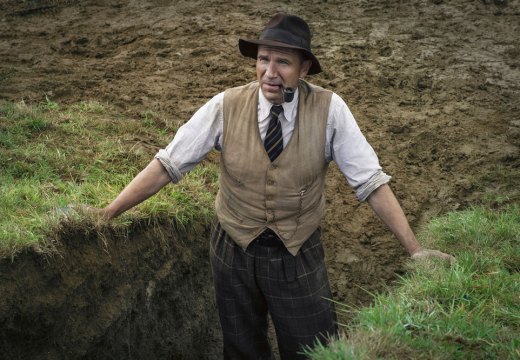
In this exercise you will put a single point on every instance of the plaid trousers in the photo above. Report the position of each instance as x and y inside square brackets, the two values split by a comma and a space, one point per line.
[293, 289]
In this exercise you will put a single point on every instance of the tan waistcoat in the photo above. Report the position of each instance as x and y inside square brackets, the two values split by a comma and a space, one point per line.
[285, 195]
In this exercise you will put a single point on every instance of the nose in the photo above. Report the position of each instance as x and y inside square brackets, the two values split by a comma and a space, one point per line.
[271, 70]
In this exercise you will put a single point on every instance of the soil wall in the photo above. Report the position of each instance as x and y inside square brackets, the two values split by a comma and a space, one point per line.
[128, 298]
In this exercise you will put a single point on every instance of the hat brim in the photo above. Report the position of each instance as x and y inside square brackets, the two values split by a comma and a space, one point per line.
[249, 48]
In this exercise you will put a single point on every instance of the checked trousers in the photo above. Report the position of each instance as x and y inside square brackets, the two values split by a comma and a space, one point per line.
[293, 289]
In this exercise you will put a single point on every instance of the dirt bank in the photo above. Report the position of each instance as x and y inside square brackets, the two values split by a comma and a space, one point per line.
[130, 298]
[433, 84]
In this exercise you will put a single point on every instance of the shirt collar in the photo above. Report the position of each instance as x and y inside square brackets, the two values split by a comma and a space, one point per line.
[289, 109]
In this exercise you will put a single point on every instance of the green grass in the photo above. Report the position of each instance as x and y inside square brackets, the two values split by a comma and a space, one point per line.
[53, 155]
[468, 310]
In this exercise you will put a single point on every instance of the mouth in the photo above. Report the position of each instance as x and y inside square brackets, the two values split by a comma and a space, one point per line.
[272, 87]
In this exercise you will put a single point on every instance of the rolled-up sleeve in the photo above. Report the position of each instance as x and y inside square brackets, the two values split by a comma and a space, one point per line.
[349, 148]
[194, 140]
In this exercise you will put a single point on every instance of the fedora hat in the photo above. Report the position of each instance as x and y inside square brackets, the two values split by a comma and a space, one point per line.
[287, 31]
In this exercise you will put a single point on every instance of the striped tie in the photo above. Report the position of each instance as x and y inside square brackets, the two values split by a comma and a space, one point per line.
[273, 142]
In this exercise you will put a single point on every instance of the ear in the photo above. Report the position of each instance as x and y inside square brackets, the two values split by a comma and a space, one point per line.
[306, 65]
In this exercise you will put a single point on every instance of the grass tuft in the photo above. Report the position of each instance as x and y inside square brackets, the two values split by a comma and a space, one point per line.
[53, 155]
[468, 310]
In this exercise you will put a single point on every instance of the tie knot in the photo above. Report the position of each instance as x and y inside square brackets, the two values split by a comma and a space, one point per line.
[276, 110]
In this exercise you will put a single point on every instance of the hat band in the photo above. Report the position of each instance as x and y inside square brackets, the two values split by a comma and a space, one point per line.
[285, 37]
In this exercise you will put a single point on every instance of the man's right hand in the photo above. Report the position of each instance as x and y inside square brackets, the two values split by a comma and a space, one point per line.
[148, 182]
[87, 209]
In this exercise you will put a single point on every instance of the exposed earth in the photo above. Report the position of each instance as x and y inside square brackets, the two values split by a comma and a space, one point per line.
[433, 84]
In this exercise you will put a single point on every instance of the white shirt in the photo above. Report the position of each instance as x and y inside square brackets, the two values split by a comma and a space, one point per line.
[345, 144]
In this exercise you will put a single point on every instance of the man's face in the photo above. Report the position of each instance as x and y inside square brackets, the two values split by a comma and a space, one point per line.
[276, 67]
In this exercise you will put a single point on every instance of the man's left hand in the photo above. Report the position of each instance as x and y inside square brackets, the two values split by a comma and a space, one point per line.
[424, 253]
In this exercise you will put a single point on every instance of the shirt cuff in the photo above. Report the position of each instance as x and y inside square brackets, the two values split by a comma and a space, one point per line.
[375, 181]
[165, 161]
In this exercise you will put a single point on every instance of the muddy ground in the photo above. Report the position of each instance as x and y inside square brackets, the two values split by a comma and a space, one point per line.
[433, 84]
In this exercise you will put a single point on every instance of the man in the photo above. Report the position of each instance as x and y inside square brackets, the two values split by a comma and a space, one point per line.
[276, 137]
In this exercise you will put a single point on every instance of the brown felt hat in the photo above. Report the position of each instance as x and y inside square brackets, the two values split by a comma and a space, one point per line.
[287, 31]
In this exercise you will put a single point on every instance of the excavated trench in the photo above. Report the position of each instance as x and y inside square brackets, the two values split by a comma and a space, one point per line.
[131, 298]
[142, 293]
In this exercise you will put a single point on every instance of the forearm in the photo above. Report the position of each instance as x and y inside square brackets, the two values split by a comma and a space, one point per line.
[386, 206]
[148, 182]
